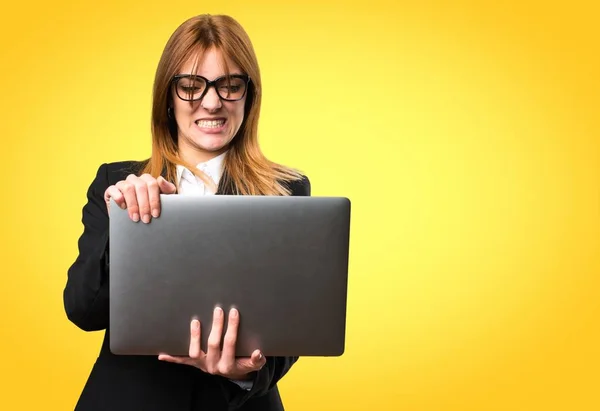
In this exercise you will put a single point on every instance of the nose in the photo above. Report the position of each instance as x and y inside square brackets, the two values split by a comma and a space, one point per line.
[211, 100]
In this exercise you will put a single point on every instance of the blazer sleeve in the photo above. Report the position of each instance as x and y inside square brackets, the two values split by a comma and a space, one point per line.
[276, 367]
[85, 295]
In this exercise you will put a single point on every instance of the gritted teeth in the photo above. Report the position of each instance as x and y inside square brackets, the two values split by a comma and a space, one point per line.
[210, 123]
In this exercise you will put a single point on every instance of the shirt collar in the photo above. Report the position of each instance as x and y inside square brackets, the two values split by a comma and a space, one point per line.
[213, 168]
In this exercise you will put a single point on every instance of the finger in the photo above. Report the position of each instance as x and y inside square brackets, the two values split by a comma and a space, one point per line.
[213, 354]
[176, 360]
[130, 196]
[153, 194]
[114, 193]
[195, 351]
[227, 362]
[141, 192]
[166, 187]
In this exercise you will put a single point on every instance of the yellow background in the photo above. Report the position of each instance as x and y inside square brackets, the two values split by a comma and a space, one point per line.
[466, 135]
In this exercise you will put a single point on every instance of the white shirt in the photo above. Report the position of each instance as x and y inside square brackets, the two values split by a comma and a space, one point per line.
[189, 184]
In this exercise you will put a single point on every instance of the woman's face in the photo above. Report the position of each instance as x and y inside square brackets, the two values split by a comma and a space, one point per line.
[207, 126]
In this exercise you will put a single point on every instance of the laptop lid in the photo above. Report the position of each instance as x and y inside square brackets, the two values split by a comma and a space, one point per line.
[282, 261]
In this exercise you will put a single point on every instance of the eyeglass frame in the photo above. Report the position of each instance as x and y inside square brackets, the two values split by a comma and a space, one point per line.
[210, 84]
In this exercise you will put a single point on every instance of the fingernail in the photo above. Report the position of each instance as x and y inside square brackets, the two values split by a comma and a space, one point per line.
[195, 324]
[146, 218]
[155, 213]
[136, 217]
[233, 313]
[218, 312]
[124, 206]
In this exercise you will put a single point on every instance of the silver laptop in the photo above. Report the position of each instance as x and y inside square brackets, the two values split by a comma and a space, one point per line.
[281, 261]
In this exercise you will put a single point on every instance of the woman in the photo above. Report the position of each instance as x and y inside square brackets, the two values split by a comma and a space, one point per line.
[206, 105]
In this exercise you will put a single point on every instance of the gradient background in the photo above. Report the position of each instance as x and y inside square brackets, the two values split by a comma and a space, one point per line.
[466, 135]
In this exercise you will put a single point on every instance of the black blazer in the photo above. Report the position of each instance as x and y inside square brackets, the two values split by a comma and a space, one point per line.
[127, 383]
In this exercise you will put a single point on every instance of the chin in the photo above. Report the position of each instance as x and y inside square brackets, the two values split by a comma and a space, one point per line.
[213, 147]
[209, 143]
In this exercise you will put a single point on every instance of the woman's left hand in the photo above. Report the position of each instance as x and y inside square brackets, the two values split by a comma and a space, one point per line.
[217, 361]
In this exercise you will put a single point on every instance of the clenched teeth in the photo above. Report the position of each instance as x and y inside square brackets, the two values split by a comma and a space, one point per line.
[210, 123]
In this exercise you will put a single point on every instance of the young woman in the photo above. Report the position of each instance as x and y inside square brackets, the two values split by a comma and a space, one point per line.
[206, 106]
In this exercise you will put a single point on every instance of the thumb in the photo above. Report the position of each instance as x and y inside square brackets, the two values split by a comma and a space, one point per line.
[165, 186]
[258, 359]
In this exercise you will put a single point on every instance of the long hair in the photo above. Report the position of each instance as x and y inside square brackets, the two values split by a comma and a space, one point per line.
[246, 170]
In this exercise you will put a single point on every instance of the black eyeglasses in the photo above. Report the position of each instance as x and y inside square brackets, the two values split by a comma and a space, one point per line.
[190, 87]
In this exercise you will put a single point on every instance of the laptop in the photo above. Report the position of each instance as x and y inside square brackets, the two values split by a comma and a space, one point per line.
[282, 261]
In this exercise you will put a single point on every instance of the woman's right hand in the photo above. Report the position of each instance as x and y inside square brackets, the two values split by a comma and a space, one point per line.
[139, 195]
